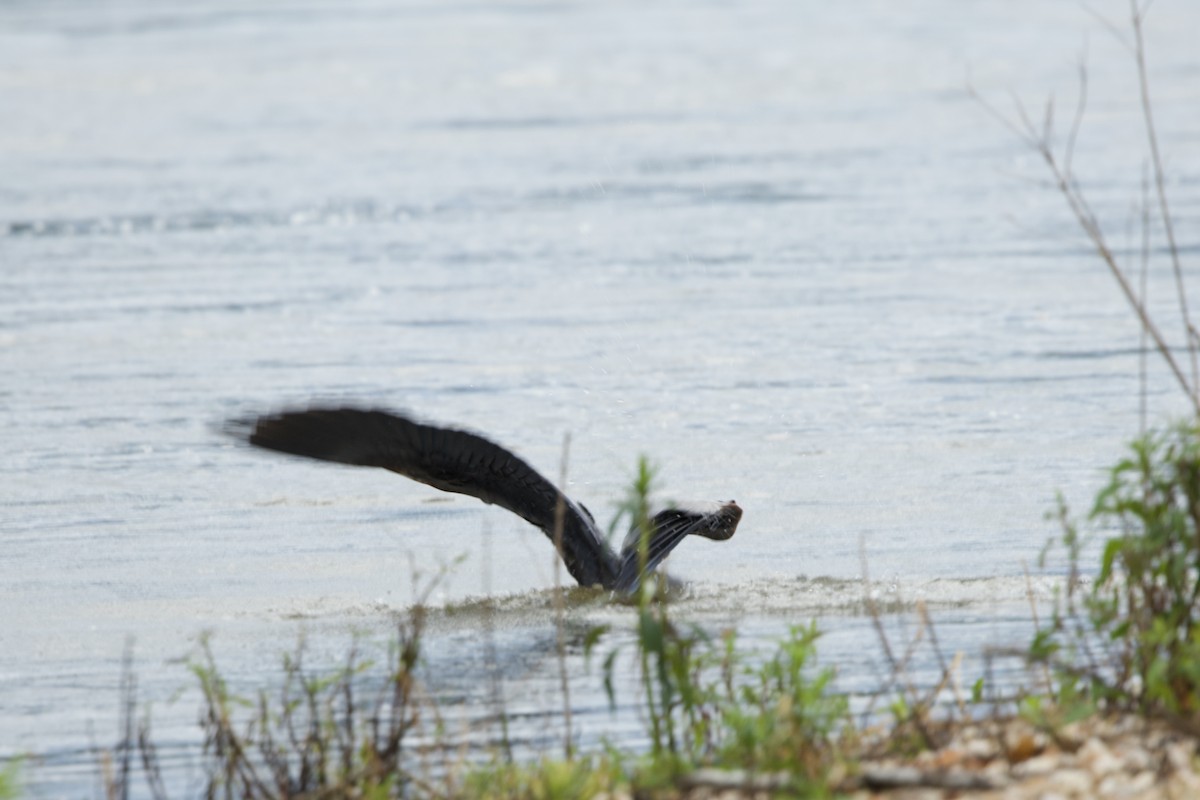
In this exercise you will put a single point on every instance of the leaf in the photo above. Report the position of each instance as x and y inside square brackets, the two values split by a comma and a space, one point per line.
[592, 637]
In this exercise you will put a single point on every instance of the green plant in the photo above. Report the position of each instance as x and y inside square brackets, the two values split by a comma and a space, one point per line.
[316, 734]
[10, 779]
[708, 703]
[1129, 640]
[546, 779]
[665, 653]
[781, 717]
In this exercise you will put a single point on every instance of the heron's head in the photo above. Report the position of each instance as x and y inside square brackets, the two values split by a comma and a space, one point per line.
[721, 523]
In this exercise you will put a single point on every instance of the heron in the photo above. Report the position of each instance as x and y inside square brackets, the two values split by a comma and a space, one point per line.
[459, 461]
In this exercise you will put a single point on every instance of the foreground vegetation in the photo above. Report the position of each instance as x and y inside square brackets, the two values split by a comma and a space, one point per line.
[1119, 646]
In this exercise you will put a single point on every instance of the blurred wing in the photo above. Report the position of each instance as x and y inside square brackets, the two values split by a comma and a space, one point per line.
[667, 529]
[444, 458]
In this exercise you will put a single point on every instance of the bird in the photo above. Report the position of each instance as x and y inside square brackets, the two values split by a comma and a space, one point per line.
[459, 461]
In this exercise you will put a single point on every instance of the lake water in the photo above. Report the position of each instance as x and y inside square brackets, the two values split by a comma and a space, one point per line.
[776, 247]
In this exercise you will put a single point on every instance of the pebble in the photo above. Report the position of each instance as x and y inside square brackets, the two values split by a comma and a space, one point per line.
[1122, 757]
[1038, 765]
[1072, 782]
[1096, 757]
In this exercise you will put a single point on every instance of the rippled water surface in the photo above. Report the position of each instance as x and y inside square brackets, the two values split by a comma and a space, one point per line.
[775, 246]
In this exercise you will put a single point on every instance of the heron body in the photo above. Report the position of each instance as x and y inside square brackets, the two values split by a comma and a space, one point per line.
[465, 463]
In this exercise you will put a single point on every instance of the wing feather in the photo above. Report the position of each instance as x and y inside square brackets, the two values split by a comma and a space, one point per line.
[445, 458]
[667, 529]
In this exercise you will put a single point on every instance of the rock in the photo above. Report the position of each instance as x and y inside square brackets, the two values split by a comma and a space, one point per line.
[1128, 757]
[1022, 746]
[1179, 755]
[1036, 766]
[1072, 736]
[1071, 782]
[1140, 782]
[1095, 756]
[1137, 759]
[1111, 786]
[981, 749]
[1183, 784]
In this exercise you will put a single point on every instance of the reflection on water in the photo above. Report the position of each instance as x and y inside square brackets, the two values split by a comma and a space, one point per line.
[775, 247]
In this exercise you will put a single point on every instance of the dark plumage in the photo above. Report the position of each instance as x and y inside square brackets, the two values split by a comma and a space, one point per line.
[458, 461]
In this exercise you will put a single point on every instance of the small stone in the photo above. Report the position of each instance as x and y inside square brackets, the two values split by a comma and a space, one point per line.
[1140, 782]
[1022, 747]
[1071, 782]
[1179, 755]
[1125, 724]
[1096, 757]
[1111, 786]
[982, 749]
[1183, 784]
[950, 757]
[1072, 736]
[1136, 759]
[1038, 765]
[918, 793]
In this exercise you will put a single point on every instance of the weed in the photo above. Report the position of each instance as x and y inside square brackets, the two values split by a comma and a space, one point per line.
[707, 703]
[1129, 641]
[781, 718]
[10, 779]
[547, 779]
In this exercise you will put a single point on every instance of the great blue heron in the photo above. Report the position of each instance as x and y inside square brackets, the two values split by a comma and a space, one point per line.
[458, 461]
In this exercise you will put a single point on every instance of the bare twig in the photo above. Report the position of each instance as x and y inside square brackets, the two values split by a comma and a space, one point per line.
[150, 763]
[1077, 122]
[1116, 32]
[949, 670]
[1189, 330]
[1143, 400]
[1037, 626]
[128, 708]
[1079, 207]
[898, 665]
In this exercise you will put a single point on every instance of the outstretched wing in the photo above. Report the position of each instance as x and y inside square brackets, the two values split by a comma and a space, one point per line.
[444, 458]
[667, 529]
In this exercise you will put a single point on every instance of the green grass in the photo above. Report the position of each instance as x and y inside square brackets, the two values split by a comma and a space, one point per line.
[1129, 639]
[10, 779]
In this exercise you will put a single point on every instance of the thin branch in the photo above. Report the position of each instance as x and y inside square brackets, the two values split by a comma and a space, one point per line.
[1091, 226]
[1048, 119]
[994, 112]
[1022, 126]
[1143, 402]
[1076, 123]
[1160, 186]
[1030, 131]
[1117, 33]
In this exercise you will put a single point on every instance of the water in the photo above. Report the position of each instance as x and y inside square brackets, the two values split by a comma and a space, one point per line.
[776, 247]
